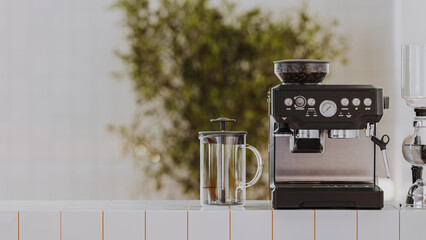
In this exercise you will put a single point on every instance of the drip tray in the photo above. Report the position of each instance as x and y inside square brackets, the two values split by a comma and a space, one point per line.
[327, 198]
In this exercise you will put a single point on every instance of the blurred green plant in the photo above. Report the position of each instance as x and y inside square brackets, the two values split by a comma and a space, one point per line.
[191, 61]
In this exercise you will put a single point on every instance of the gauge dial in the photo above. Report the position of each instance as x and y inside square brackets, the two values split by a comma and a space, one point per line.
[328, 108]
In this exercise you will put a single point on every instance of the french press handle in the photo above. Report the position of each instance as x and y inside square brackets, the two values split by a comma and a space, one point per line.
[222, 122]
[259, 166]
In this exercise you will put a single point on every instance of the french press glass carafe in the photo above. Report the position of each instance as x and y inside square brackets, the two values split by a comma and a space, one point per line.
[223, 166]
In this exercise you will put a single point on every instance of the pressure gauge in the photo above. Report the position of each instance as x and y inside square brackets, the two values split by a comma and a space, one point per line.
[328, 108]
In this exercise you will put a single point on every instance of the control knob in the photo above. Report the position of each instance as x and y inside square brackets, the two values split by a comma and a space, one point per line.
[300, 101]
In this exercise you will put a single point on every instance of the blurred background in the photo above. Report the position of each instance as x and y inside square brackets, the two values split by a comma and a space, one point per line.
[102, 99]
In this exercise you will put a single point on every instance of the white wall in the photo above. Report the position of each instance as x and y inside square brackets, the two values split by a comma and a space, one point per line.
[57, 97]
[57, 94]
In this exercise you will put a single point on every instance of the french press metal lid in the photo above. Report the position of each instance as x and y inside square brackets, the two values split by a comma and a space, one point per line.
[211, 136]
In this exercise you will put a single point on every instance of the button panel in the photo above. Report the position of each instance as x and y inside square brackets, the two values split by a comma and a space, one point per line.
[328, 107]
[310, 116]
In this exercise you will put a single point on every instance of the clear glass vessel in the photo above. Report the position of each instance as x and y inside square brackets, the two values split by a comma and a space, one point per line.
[413, 84]
[414, 151]
[223, 166]
[414, 146]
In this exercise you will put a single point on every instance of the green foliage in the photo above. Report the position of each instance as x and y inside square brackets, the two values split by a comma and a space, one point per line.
[199, 61]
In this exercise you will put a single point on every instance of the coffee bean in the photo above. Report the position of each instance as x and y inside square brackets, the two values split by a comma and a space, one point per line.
[301, 72]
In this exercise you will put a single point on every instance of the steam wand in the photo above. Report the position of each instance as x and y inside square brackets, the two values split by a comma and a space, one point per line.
[382, 145]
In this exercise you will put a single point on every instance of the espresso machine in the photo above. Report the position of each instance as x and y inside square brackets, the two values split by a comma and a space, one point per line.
[322, 140]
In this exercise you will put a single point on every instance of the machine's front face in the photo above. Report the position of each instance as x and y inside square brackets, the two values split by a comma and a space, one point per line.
[321, 152]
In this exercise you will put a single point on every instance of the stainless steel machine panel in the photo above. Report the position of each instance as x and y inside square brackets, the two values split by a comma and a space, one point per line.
[344, 160]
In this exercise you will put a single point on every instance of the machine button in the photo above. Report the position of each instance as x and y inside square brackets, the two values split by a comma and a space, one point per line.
[367, 102]
[311, 102]
[356, 102]
[344, 102]
[300, 101]
[288, 102]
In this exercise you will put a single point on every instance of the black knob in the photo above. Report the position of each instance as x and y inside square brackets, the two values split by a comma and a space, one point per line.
[416, 172]
[222, 121]
[386, 102]
[420, 112]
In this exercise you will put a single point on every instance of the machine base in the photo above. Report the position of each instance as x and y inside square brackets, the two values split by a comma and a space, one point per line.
[349, 198]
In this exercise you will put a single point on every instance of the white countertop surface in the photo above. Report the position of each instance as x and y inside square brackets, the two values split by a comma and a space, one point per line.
[186, 219]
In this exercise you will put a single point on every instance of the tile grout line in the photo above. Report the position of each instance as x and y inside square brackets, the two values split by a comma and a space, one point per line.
[272, 214]
[187, 220]
[103, 221]
[356, 224]
[399, 224]
[103, 225]
[147, 206]
[229, 207]
[19, 223]
[60, 219]
[315, 224]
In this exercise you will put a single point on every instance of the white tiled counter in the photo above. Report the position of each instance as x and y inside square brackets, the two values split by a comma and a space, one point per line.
[187, 220]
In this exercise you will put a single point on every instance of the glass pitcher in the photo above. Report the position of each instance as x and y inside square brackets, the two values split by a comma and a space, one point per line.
[223, 166]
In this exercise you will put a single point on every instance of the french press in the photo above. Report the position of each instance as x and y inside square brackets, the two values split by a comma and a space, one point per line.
[223, 166]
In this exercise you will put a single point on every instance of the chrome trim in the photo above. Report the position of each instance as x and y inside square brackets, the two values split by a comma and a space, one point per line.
[343, 133]
[308, 133]
[368, 130]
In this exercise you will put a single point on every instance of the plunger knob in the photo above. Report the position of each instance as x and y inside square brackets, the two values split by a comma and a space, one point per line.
[222, 122]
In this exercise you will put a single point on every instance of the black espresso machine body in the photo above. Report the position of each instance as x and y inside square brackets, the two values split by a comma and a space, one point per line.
[321, 152]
